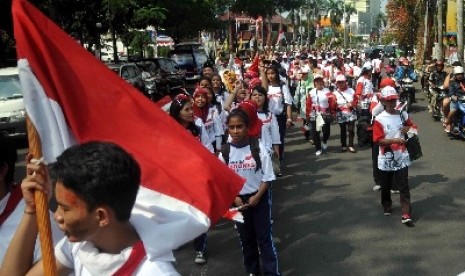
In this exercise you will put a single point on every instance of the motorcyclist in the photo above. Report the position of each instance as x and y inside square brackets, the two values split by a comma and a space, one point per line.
[405, 71]
[456, 90]
[436, 81]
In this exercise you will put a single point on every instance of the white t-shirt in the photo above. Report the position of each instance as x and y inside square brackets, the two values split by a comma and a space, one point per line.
[86, 260]
[388, 126]
[270, 131]
[204, 139]
[9, 226]
[367, 86]
[275, 95]
[320, 100]
[242, 162]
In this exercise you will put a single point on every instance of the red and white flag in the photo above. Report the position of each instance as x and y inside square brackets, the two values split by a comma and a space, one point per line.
[280, 36]
[71, 97]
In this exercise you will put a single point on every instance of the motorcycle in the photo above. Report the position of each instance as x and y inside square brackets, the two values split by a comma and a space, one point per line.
[437, 95]
[458, 124]
[406, 92]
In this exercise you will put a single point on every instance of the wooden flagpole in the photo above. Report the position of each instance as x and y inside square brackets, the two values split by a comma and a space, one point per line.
[42, 209]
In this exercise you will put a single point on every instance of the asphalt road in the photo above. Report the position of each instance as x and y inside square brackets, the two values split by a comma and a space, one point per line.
[328, 221]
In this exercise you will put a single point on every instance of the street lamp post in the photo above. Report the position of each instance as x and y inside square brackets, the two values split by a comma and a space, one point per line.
[99, 44]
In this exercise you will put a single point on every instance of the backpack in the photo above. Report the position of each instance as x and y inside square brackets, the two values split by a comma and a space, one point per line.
[364, 131]
[254, 148]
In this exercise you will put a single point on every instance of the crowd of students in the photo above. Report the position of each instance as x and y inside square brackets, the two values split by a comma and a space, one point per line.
[240, 115]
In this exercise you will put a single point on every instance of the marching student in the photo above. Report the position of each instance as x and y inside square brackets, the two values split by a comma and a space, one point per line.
[320, 108]
[248, 158]
[181, 110]
[346, 112]
[389, 128]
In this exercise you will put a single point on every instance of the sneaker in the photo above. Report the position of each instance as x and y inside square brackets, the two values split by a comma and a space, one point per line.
[394, 191]
[324, 146]
[318, 152]
[406, 220]
[343, 149]
[200, 258]
[387, 211]
[376, 188]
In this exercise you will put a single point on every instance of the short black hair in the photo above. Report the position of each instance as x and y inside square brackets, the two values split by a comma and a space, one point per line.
[101, 174]
[8, 156]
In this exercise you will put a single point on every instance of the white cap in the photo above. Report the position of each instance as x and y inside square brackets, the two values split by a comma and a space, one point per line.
[388, 93]
[340, 78]
[317, 76]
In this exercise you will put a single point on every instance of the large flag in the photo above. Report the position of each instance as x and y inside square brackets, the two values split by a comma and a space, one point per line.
[71, 97]
[280, 37]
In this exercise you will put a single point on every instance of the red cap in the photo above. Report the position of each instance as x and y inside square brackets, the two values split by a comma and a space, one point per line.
[387, 82]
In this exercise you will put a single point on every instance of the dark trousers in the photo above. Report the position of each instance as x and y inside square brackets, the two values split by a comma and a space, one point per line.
[400, 177]
[374, 162]
[326, 129]
[347, 127]
[375, 79]
[281, 118]
[256, 233]
[200, 243]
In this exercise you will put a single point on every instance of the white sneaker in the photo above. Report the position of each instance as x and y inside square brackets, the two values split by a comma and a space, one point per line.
[395, 191]
[318, 152]
[324, 146]
[376, 188]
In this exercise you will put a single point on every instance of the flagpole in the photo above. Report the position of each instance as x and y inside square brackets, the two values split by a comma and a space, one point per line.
[42, 210]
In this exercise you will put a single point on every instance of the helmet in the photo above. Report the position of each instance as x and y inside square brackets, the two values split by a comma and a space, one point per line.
[458, 70]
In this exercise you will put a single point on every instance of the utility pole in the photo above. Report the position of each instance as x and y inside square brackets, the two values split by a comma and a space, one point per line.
[440, 52]
[460, 30]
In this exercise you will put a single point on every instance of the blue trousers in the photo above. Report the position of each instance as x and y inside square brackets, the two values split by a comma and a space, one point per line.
[255, 233]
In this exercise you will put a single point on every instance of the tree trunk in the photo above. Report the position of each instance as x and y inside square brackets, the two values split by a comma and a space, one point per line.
[440, 15]
[460, 30]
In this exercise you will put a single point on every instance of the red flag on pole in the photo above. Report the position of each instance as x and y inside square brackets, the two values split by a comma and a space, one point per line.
[71, 97]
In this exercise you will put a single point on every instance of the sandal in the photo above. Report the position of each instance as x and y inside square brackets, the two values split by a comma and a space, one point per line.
[352, 150]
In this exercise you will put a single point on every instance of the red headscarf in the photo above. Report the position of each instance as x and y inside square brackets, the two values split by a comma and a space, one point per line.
[255, 127]
[202, 113]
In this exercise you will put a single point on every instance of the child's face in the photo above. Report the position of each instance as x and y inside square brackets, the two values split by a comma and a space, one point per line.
[205, 84]
[237, 129]
[187, 114]
[200, 101]
[271, 75]
[216, 81]
[259, 98]
[241, 94]
[209, 96]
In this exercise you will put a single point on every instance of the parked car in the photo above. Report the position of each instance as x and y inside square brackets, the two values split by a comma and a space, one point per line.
[390, 50]
[190, 57]
[131, 73]
[166, 72]
[12, 109]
